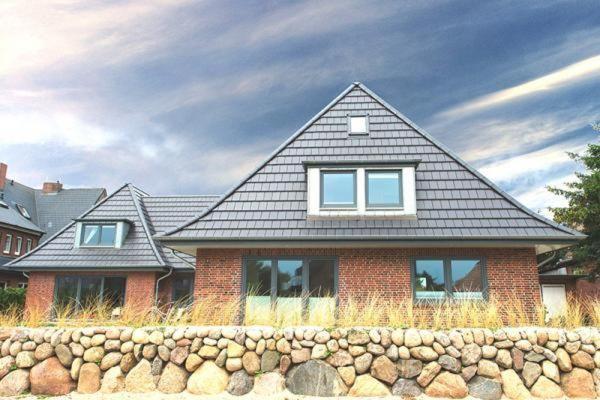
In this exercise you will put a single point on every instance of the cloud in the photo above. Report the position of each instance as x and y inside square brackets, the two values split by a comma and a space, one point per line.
[539, 198]
[585, 69]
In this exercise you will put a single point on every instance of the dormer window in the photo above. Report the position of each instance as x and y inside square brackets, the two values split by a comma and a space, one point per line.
[23, 211]
[358, 124]
[362, 190]
[99, 235]
[95, 233]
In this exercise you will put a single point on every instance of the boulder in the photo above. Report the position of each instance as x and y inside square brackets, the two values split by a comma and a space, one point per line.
[563, 360]
[140, 379]
[448, 385]
[268, 384]
[127, 362]
[469, 372]
[315, 378]
[470, 354]
[340, 358]
[6, 364]
[113, 381]
[485, 388]
[93, 354]
[208, 379]
[25, 359]
[240, 383]
[428, 373]
[546, 389]
[64, 355]
[50, 377]
[14, 383]
[89, 378]
[488, 369]
[235, 350]
[348, 374]
[269, 360]
[363, 363]
[550, 371]
[424, 353]
[44, 351]
[300, 355]
[504, 359]
[192, 362]
[578, 383]
[412, 338]
[531, 371]
[110, 360]
[409, 368]
[251, 362]
[582, 359]
[173, 379]
[358, 336]
[407, 388]
[179, 355]
[384, 370]
[450, 363]
[513, 386]
[367, 386]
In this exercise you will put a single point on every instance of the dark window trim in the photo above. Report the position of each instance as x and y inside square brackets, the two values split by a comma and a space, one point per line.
[81, 239]
[385, 205]
[448, 278]
[80, 277]
[322, 191]
[305, 278]
[191, 288]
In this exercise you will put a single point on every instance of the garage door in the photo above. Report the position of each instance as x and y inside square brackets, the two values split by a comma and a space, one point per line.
[555, 299]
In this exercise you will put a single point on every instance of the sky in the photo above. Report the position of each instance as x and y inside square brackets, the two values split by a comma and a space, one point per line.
[187, 97]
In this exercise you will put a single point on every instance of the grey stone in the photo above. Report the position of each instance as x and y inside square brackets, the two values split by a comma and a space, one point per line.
[450, 363]
[531, 371]
[269, 360]
[409, 368]
[15, 383]
[363, 363]
[315, 378]
[485, 388]
[240, 383]
[470, 354]
[407, 388]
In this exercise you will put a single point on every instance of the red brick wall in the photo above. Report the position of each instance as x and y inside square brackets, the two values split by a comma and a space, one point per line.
[4, 231]
[385, 270]
[139, 288]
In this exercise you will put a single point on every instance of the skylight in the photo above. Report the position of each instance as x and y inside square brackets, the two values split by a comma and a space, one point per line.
[23, 211]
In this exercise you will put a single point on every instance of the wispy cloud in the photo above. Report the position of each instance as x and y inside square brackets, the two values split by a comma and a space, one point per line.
[585, 69]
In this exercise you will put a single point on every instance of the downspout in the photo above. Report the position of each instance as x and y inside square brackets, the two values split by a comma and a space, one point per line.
[547, 261]
[158, 282]
[174, 252]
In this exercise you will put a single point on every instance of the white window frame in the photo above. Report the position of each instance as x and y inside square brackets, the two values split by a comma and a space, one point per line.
[29, 245]
[7, 244]
[3, 285]
[122, 228]
[365, 132]
[18, 246]
[22, 285]
[360, 210]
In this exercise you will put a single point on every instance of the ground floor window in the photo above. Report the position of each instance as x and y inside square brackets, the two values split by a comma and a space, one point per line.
[86, 291]
[182, 289]
[443, 278]
[291, 284]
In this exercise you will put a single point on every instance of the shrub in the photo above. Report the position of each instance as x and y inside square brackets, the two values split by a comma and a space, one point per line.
[11, 298]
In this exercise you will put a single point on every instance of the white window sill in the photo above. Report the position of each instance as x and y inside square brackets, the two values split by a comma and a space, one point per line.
[354, 214]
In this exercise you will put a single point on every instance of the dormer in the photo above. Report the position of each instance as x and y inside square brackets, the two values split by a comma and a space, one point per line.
[100, 233]
[361, 190]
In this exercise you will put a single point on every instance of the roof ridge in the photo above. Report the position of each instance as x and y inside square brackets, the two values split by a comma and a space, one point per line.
[145, 227]
[462, 162]
[266, 161]
[47, 241]
[184, 195]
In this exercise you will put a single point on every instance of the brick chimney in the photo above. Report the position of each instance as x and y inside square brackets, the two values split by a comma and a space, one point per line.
[52, 187]
[3, 169]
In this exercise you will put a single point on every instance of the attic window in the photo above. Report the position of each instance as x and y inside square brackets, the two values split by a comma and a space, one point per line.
[358, 125]
[99, 235]
[23, 211]
[3, 204]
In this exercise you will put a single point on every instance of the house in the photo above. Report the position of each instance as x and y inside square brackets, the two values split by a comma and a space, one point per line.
[359, 200]
[109, 253]
[29, 216]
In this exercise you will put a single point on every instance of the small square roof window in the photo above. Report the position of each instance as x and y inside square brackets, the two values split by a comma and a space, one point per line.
[358, 124]
[23, 211]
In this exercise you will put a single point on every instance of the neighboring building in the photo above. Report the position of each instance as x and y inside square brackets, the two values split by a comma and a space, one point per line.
[29, 216]
[359, 200]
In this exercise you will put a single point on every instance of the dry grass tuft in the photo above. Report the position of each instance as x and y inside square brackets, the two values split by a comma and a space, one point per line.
[370, 310]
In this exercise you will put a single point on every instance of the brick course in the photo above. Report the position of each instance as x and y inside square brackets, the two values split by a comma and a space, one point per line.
[510, 271]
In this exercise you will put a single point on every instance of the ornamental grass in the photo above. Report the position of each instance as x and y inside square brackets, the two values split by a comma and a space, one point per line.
[372, 310]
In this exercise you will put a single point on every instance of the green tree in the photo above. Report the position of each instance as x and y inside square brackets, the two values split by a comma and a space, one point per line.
[583, 210]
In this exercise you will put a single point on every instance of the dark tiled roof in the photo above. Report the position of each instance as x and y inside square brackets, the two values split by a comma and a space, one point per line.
[148, 216]
[453, 200]
[49, 212]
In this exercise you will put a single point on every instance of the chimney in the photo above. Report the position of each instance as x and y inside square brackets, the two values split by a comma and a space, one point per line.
[3, 169]
[52, 187]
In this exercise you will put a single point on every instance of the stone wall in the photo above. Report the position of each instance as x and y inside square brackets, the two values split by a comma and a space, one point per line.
[520, 363]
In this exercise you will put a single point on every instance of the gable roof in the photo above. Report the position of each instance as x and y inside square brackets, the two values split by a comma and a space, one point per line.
[454, 202]
[49, 212]
[139, 250]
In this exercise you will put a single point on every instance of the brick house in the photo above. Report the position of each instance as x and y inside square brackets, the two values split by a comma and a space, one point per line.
[359, 200]
[29, 216]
